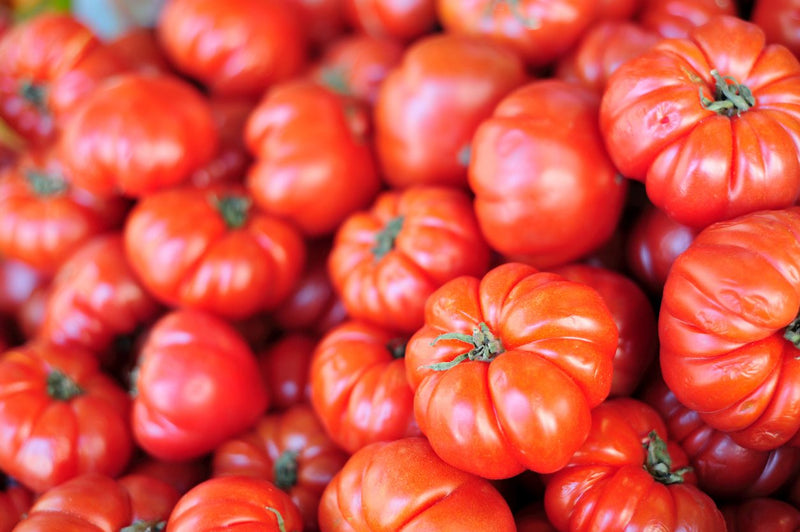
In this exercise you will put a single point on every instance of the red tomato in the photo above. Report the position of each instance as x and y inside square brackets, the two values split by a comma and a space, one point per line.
[237, 47]
[248, 504]
[780, 20]
[627, 477]
[17, 283]
[545, 190]
[404, 21]
[692, 118]
[209, 249]
[182, 476]
[197, 385]
[728, 328]
[314, 161]
[60, 416]
[617, 9]
[289, 449]
[359, 388]
[323, 20]
[385, 262]
[403, 485]
[163, 133]
[507, 368]
[15, 500]
[139, 48]
[429, 107]
[762, 515]
[286, 366]
[533, 518]
[676, 18]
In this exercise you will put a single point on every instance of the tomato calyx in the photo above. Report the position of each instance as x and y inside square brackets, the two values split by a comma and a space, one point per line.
[145, 526]
[334, 78]
[61, 387]
[281, 522]
[659, 463]
[285, 470]
[234, 209]
[397, 348]
[486, 347]
[385, 239]
[730, 97]
[45, 184]
[464, 155]
[516, 11]
[34, 94]
[792, 332]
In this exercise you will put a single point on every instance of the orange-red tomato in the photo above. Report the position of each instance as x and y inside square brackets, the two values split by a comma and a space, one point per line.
[676, 18]
[404, 21]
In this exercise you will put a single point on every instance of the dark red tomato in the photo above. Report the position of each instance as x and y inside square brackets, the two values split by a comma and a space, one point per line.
[237, 47]
[356, 65]
[140, 50]
[163, 133]
[780, 20]
[152, 499]
[323, 20]
[533, 518]
[723, 468]
[17, 283]
[634, 317]
[762, 515]
[197, 385]
[654, 242]
[314, 158]
[540, 30]
[617, 9]
[546, 192]
[289, 449]
[15, 500]
[48, 65]
[601, 50]
[429, 107]
[96, 297]
[404, 21]
[53, 403]
[43, 218]
[235, 503]
[359, 388]
[403, 485]
[210, 249]
[676, 18]
[286, 367]
[182, 475]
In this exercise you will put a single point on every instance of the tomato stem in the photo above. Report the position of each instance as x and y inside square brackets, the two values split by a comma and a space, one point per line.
[61, 387]
[44, 184]
[464, 155]
[397, 347]
[659, 463]
[486, 347]
[233, 209]
[334, 78]
[730, 97]
[385, 239]
[35, 94]
[285, 470]
[145, 526]
[516, 11]
[792, 332]
[281, 522]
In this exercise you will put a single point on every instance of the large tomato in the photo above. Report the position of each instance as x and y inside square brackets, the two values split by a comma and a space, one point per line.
[762, 515]
[210, 249]
[729, 331]
[60, 416]
[507, 368]
[710, 123]
[545, 190]
[15, 500]
[429, 107]
[676, 18]
[197, 385]
[403, 486]
[404, 21]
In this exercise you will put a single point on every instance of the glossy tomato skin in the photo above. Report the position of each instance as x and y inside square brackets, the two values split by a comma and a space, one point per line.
[286, 368]
[525, 404]
[324, 20]
[289, 449]
[546, 192]
[386, 261]
[675, 19]
[210, 249]
[197, 385]
[780, 21]
[634, 317]
[721, 327]
[698, 165]
[52, 401]
[605, 486]
[762, 515]
[139, 48]
[253, 504]
[15, 500]
[403, 485]
[163, 133]
[404, 21]
[429, 107]
[236, 48]
[314, 158]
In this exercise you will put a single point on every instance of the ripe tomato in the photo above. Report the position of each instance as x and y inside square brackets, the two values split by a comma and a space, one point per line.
[197, 385]
[404, 21]
[728, 327]
[507, 368]
[617, 9]
[762, 515]
[182, 475]
[15, 500]
[403, 485]
[780, 21]
[285, 366]
[429, 107]
[323, 20]
[692, 118]
[675, 19]
[139, 48]
[533, 518]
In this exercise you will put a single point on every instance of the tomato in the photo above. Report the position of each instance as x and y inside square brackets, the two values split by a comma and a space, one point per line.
[289, 449]
[676, 18]
[95, 297]
[429, 107]
[385, 262]
[728, 326]
[235, 48]
[248, 504]
[139, 48]
[210, 249]
[540, 30]
[197, 385]
[163, 133]
[404, 21]
[314, 161]
[44, 219]
[15, 500]
[546, 192]
[324, 20]
[533, 518]
[693, 117]
[780, 20]
[723, 468]
[507, 368]
[182, 475]
[634, 317]
[17, 283]
[617, 9]
[403, 485]
[762, 515]
[628, 476]
[60, 416]
[286, 366]
[601, 50]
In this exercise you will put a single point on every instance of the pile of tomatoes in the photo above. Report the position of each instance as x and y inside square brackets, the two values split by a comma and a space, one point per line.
[432, 265]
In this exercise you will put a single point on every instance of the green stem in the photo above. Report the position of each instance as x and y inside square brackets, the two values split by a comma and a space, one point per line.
[659, 463]
[281, 522]
[44, 184]
[385, 239]
[334, 78]
[465, 155]
[485, 347]
[145, 526]
[792, 332]
[516, 11]
[730, 97]
[397, 347]
[35, 94]
[233, 209]
[61, 387]
[285, 470]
